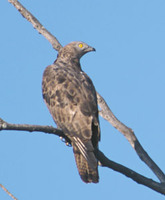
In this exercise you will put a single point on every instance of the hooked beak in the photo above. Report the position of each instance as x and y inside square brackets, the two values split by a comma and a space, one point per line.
[89, 48]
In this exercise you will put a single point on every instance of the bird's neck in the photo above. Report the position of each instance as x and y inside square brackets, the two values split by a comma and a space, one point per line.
[69, 61]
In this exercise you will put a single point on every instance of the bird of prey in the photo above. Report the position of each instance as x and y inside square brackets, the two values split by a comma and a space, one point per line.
[71, 99]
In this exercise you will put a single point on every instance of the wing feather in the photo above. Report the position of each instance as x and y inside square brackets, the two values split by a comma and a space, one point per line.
[72, 102]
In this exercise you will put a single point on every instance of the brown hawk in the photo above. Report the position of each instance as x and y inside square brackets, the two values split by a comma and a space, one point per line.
[71, 99]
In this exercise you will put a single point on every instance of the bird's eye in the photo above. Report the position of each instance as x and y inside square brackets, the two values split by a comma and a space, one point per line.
[80, 45]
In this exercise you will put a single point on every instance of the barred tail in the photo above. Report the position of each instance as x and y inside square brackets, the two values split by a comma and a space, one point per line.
[88, 170]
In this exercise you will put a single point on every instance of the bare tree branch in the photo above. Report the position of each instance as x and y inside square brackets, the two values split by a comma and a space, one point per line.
[7, 192]
[36, 24]
[159, 187]
[105, 112]
[104, 161]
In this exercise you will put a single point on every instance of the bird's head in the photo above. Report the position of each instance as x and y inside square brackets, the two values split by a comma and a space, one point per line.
[75, 50]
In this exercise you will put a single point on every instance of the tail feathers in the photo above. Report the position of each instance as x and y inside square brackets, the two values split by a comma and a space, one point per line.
[88, 171]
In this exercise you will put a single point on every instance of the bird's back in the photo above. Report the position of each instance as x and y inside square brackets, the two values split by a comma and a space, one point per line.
[71, 99]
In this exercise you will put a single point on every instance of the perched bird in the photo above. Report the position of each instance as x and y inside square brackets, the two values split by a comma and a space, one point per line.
[71, 99]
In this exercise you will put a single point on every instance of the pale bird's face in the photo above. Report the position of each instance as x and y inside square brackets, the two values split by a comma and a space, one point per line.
[80, 48]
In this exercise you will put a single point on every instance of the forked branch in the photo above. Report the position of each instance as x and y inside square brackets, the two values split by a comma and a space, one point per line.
[107, 114]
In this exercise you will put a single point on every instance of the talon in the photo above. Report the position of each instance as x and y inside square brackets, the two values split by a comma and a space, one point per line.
[62, 139]
[99, 163]
[67, 143]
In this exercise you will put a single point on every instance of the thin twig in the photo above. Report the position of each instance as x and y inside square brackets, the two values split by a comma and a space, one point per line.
[7, 192]
[105, 162]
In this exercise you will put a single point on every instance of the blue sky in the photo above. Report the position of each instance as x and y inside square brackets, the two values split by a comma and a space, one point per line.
[128, 70]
